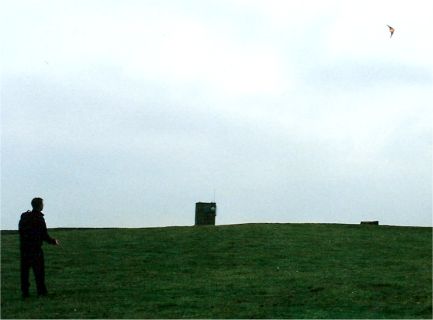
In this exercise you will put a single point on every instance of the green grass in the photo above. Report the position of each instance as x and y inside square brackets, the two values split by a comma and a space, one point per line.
[239, 271]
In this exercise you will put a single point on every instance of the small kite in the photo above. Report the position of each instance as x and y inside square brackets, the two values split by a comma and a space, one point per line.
[391, 29]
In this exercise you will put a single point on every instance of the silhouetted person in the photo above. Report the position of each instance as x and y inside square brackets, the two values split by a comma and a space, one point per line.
[33, 231]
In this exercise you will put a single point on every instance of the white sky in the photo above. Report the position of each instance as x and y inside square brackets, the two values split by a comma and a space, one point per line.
[126, 113]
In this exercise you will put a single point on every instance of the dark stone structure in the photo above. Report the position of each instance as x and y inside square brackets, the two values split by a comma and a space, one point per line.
[376, 223]
[205, 213]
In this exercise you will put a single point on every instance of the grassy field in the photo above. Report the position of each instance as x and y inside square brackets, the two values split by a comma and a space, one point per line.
[239, 271]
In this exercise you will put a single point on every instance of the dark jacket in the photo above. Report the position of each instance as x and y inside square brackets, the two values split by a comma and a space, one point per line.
[33, 231]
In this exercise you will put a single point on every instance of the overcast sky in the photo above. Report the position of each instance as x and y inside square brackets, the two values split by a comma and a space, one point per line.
[126, 113]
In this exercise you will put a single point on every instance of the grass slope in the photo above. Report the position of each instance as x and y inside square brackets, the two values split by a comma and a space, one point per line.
[240, 271]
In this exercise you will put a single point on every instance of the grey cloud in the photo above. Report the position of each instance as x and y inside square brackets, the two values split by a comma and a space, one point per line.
[352, 75]
[136, 155]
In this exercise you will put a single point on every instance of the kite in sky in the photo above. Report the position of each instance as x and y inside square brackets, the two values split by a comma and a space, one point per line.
[391, 29]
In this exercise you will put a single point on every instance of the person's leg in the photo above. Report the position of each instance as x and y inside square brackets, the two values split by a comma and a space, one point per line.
[39, 271]
[25, 268]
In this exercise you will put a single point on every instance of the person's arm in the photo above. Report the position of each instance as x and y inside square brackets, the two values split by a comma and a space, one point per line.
[45, 235]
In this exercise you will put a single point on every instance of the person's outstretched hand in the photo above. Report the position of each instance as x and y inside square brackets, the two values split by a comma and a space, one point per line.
[57, 242]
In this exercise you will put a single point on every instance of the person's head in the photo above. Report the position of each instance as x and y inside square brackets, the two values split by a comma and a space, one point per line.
[38, 204]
